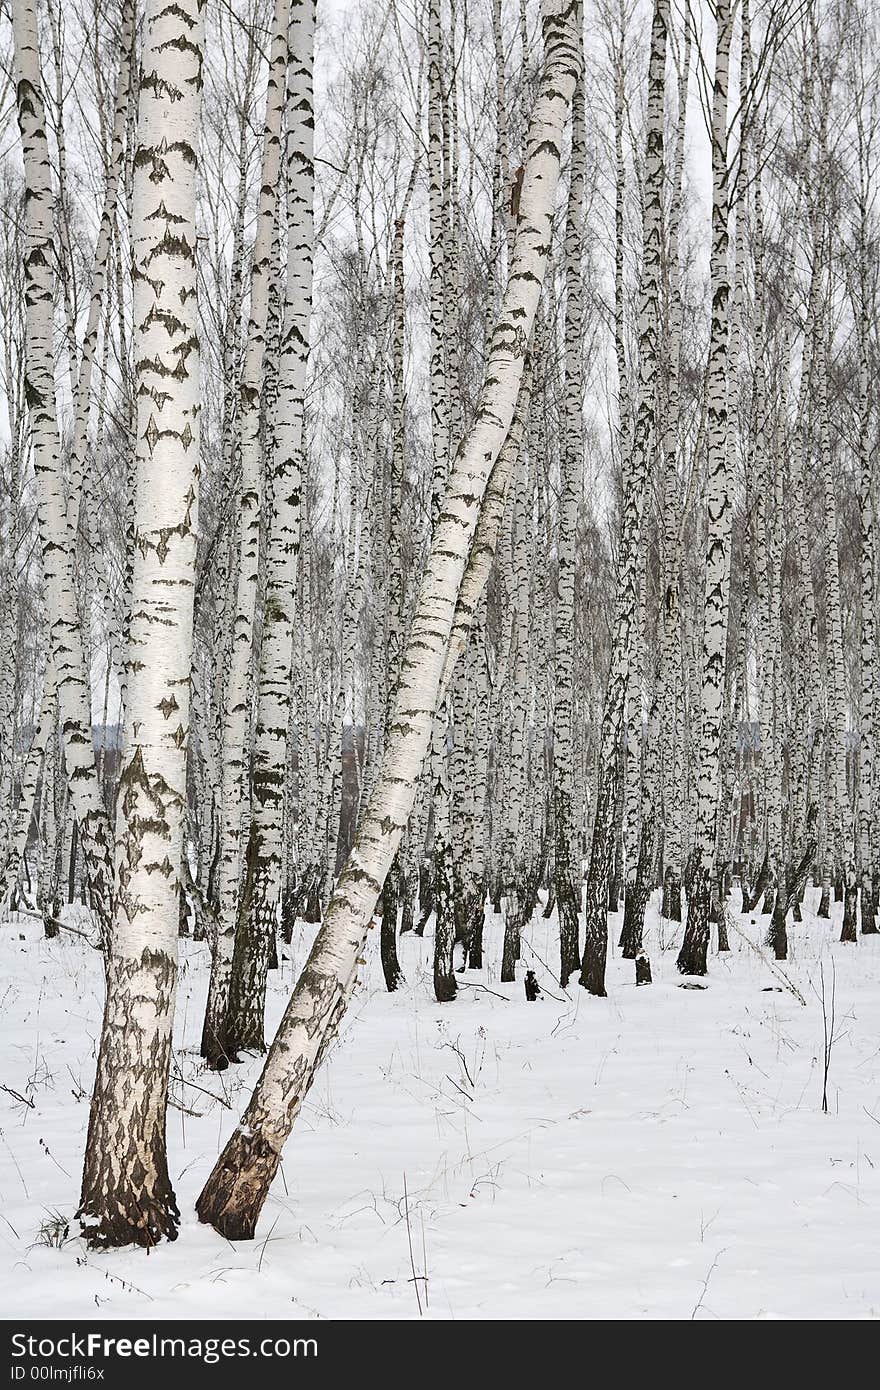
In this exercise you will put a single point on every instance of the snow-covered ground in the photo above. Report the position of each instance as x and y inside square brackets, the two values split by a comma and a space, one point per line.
[661, 1153]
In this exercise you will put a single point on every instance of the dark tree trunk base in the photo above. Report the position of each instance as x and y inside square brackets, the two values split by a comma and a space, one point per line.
[233, 1196]
[407, 916]
[215, 1052]
[510, 949]
[850, 901]
[445, 987]
[388, 931]
[445, 984]
[692, 956]
[475, 938]
[592, 976]
[135, 1220]
[869, 912]
[777, 936]
[569, 931]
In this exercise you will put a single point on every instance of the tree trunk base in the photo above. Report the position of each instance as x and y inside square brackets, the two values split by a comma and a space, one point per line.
[215, 1053]
[671, 907]
[510, 949]
[869, 912]
[134, 1220]
[848, 929]
[692, 956]
[777, 937]
[388, 934]
[233, 1196]
[569, 952]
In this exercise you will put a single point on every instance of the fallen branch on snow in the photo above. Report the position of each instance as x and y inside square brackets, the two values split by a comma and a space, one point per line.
[770, 964]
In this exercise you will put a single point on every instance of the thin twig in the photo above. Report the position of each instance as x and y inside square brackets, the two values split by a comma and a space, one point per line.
[412, 1262]
[473, 984]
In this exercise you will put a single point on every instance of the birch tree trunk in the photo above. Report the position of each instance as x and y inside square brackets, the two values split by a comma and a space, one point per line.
[566, 860]
[127, 1195]
[56, 538]
[672, 699]
[219, 1045]
[869, 835]
[719, 504]
[236, 1190]
[286, 470]
[839, 810]
[592, 976]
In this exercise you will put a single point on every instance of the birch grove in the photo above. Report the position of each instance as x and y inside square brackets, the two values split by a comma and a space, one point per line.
[439, 496]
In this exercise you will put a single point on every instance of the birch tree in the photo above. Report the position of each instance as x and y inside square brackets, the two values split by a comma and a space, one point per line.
[234, 1194]
[719, 506]
[592, 976]
[126, 1193]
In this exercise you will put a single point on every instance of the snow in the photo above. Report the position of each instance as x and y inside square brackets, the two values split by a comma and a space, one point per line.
[661, 1153]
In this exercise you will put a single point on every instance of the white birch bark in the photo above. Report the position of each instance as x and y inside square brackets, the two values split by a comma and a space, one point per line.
[218, 1049]
[126, 1193]
[236, 1190]
[869, 835]
[672, 698]
[842, 834]
[56, 539]
[285, 467]
[566, 860]
[719, 505]
[592, 976]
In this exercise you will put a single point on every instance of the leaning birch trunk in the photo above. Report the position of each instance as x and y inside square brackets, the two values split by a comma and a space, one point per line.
[127, 1195]
[719, 502]
[9, 649]
[219, 1046]
[56, 538]
[236, 1190]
